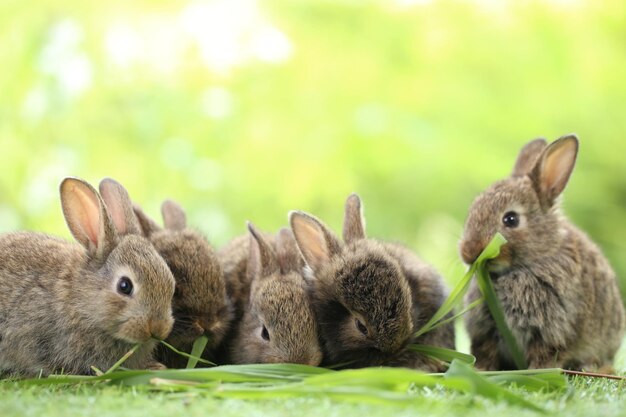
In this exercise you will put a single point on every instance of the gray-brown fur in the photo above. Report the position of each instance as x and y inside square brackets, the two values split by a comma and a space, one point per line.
[558, 292]
[60, 309]
[278, 323]
[383, 285]
[234, 259]
[200, 304]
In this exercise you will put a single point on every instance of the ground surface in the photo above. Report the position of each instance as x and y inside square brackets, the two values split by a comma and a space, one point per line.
[595, 398]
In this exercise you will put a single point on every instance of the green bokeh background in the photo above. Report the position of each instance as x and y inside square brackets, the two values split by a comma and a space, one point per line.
[246, 110]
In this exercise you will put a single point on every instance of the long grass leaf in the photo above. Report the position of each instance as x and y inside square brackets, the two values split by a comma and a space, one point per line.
[470, 306]
[443, 354]
[454, 299]
[186, 355]
[122, 359]
[487, 389]
[493, 303]
[196, 351]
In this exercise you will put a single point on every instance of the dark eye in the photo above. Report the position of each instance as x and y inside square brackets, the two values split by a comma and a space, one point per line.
[265, 334]
[510, 219]
[125, 286]
[361, 327]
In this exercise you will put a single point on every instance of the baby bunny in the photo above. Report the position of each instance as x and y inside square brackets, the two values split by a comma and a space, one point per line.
[278, 323]
[369, 296]
[200, 304]
[66, 307]
[558, 292]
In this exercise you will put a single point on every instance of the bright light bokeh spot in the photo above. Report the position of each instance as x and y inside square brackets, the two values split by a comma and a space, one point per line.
[217, 103]
[63, 60]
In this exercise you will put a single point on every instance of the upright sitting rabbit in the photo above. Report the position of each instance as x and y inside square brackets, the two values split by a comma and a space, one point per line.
[277, 322]
[200, 303]
[66, 307]
[370, 297]
[558, 292]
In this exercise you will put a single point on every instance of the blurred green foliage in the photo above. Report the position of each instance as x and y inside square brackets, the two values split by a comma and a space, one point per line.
[246, 110]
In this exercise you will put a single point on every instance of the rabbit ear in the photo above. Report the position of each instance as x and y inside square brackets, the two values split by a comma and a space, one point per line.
[528, 156]
[353, 220]
[174, 217]
[317, 244]
[287, 251]
[261, 259]
[120, 207]
[554, 168]
[148, 226]
[87, 217]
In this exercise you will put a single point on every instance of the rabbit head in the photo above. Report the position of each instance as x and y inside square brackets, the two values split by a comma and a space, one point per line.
[524, 207]
[360, 294]
[129, 288]
[200, 304]
[278, 324]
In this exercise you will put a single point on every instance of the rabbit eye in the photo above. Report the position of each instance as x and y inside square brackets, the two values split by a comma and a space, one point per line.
[361, 327]
[265, 334]
[510, 219]
[125, 286]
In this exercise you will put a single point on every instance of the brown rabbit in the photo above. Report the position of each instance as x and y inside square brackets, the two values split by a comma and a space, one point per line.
[369, 296]
[66, 308]
[278, 324]
[200, 303]
[558, 292]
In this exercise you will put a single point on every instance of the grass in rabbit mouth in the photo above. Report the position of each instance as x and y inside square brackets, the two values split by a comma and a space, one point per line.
[375, 386]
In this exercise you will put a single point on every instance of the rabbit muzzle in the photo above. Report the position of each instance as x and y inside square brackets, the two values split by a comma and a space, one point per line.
[471, 249]
[160, 329]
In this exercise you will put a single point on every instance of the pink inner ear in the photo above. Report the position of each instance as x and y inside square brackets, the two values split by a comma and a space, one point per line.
[113, 199]
[118, 217]
[558, 167]
[311, 240]
[86, 212]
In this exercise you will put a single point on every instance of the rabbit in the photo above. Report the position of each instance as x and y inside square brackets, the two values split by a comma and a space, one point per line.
[558, 292]
[278, 324]
[370, 297]
[200, 303]
[66, 307]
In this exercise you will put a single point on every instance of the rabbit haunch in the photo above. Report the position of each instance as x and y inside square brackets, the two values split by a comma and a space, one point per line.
[558, 292]
[61, 307]
[369, 296]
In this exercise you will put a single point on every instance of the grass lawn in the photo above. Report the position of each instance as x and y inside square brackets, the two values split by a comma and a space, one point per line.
[597, 397]
[586, 397]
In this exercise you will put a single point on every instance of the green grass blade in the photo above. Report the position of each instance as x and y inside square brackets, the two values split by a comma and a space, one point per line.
[186, 355]
[122, 359]
[443, 354]
[470, 306]
[491, 299]
[531, 383]
[482, 386]
[454, 299]
[196, 351]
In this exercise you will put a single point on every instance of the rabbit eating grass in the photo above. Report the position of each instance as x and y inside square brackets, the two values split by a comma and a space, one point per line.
[200, 304]
[370, 297]
[558, 292]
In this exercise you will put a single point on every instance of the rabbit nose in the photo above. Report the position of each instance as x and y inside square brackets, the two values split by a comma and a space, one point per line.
[198, 328]
[470, 249]
[160, 329]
